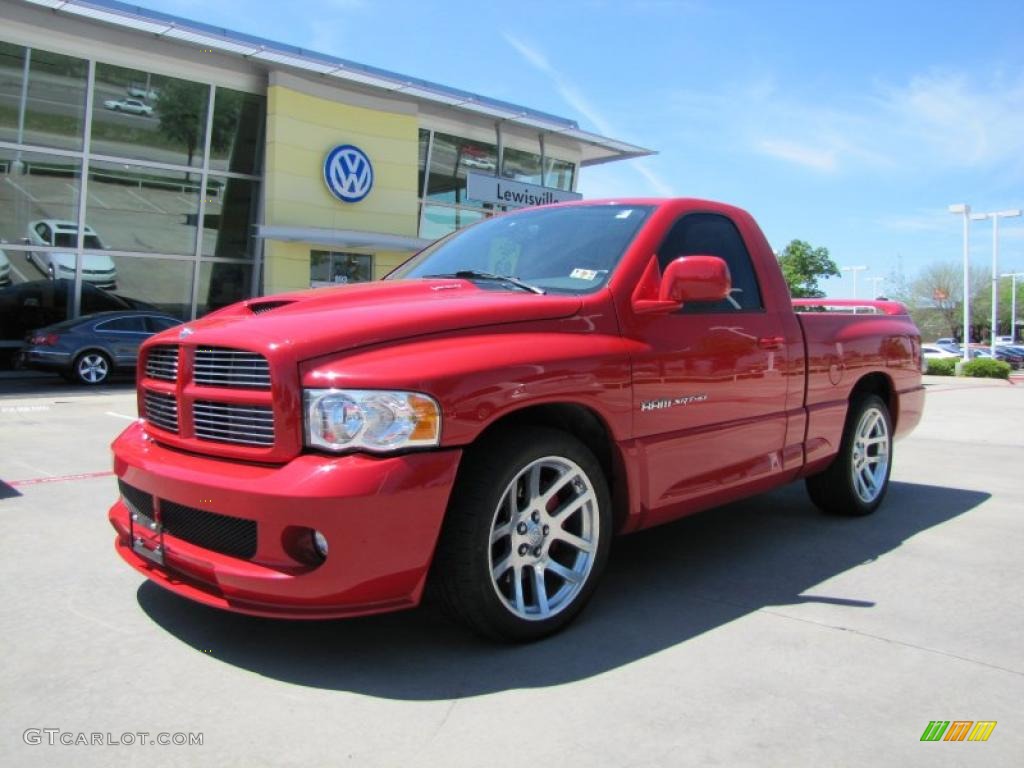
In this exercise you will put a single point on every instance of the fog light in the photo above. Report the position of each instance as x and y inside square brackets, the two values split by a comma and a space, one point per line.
[320, 544]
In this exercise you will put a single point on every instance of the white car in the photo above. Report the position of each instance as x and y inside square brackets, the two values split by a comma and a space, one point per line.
[131, 106]
[97, 269]
[932, 352]
[139, 91]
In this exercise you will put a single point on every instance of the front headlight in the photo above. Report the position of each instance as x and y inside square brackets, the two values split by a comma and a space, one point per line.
[370, 420]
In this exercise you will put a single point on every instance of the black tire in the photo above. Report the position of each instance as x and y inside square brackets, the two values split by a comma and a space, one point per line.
[91, 368]
[476, 537]
[839, 490]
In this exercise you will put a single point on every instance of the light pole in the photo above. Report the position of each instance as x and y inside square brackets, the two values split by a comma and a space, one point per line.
[995, 216]
[965, 210]
[1013, 302]
[855, 270]
[874, 284]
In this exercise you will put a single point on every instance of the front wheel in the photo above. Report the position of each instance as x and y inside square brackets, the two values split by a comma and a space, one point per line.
[526, 536]
[856, 482]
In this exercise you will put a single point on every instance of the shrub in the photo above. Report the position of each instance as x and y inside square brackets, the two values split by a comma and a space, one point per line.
[987, 368]
[942, 366]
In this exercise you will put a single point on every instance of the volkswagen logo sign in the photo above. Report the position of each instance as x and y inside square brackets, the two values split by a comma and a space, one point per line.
[348, 173]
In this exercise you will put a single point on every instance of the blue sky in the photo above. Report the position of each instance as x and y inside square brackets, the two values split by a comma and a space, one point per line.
[852, 125]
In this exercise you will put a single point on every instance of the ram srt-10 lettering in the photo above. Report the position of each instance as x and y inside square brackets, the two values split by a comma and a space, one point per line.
[491, 414]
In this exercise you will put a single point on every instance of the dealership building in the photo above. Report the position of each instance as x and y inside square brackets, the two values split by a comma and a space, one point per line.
[186, 166]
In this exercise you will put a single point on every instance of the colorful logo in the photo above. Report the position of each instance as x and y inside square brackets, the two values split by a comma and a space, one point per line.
[958, 730]
[348, 173]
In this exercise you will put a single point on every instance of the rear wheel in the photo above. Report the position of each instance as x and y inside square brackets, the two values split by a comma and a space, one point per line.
[526, 536]
[91, 368]
[856, 482]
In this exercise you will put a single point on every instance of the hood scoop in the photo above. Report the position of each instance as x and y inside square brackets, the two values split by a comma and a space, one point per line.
[258, 308]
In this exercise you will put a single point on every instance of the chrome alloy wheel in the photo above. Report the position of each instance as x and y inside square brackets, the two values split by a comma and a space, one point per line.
[93, 368]
[544, 538]
[870, 461]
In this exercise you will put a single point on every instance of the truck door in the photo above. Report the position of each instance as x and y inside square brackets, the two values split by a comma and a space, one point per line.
[710, 388]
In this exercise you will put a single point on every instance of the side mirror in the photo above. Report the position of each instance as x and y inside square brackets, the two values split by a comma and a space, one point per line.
[687, 279]
[695, 278]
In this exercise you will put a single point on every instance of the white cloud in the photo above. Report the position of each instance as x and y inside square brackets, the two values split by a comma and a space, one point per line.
[929, 122]
[810, 157]
[575, 98]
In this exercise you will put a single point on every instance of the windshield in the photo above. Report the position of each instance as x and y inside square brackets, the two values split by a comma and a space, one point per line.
[562, 250]
[70, 240]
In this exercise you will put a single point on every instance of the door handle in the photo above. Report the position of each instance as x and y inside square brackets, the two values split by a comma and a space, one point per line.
[771, 342]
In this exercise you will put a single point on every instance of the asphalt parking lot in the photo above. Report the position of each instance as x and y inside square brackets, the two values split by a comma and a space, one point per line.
[759, 634]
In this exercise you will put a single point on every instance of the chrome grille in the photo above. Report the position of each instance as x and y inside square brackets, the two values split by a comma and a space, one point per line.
[220, 367]
[162, 363]
[227, 423]
[161, 410]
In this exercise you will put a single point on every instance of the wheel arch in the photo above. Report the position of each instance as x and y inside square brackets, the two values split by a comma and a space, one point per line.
[880, 384]
[587, 426]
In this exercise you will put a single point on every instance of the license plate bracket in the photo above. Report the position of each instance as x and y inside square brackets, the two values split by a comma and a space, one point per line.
[147, 537]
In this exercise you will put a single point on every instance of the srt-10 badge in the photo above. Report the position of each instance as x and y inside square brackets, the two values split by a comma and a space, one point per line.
[668, 402]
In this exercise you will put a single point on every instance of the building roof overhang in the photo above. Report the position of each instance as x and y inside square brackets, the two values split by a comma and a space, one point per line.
[595, 149]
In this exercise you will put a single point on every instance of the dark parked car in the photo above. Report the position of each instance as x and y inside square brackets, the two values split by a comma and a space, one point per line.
[1011, 355]
[37, 303]
[88, 350]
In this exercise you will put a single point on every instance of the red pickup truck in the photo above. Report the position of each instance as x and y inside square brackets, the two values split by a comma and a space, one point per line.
[497, 409]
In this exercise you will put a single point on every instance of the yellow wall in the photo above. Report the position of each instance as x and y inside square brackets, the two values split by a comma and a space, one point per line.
[301, 130]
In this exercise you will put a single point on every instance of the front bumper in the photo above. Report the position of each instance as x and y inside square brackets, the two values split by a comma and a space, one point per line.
[381, 517]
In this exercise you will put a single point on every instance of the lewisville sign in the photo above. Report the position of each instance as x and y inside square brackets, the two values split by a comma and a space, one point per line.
[514, 194]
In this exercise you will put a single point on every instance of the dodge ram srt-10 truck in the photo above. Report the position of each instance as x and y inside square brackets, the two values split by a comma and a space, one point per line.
[488, 417]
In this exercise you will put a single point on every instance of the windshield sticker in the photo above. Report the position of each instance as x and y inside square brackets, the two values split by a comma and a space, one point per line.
[583, 274]
[624, 214]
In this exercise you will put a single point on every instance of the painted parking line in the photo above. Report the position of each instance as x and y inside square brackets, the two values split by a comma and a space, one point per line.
[59, 478]
[141, 199]
[21, 189]
[119, 416]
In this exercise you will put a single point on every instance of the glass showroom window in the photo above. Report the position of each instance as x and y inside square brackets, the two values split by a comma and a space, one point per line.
[148, 117]
[521, 166]
[236, 140]
[559, 173]
[142, 282]
[451, 158]
[36, 187]
[145, 210]
[231, 212]
[332, 268]
[52, 112]
[222, 283]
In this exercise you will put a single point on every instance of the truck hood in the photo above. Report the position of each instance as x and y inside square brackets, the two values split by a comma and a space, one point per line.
[312, 323]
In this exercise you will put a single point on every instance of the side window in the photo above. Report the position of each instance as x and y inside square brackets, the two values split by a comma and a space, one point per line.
[44, 232]
[157, 324]
[712, 234]
[122, 324]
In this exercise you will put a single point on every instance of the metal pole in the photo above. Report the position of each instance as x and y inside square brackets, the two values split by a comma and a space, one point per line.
[967, 283]
[995, 283]
[22, 106]
[1013, 307]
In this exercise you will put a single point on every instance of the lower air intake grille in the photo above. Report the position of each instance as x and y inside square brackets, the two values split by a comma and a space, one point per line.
[232, 536]
[161, 410]
[240, 424]
[137, 501]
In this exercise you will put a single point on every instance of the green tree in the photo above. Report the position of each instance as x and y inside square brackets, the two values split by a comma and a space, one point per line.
[803, 265]
[182, 109]
[182, 105]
